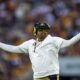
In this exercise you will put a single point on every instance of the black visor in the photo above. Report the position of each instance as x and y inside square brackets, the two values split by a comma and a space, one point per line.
[42, 26]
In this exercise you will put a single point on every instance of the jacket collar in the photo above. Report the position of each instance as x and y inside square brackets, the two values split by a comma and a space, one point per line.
[45, 40]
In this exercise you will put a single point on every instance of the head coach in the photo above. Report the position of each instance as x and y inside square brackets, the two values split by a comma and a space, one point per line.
[43, 51]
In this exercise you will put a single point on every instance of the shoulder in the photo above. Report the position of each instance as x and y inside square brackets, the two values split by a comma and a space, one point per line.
[56, 38]
[27, 43]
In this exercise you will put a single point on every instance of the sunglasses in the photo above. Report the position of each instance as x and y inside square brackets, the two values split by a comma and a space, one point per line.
[42, 30]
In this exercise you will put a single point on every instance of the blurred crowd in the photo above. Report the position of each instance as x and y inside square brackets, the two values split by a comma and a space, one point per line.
[16, 21]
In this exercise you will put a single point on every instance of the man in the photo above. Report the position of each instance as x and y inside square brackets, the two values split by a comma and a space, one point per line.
[43, 51]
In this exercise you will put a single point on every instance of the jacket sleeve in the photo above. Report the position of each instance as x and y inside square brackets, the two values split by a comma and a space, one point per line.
[72, 41]
[23, 48]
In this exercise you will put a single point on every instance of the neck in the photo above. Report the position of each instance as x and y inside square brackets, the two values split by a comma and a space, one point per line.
[41, 38]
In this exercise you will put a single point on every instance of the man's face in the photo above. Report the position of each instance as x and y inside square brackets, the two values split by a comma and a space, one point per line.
[42, 33]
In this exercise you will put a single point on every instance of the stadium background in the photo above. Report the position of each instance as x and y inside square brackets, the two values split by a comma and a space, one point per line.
[16, 20]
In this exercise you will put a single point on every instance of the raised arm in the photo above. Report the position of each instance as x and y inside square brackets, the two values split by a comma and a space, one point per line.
[72, 41]
[10, 48]
[22, 48]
